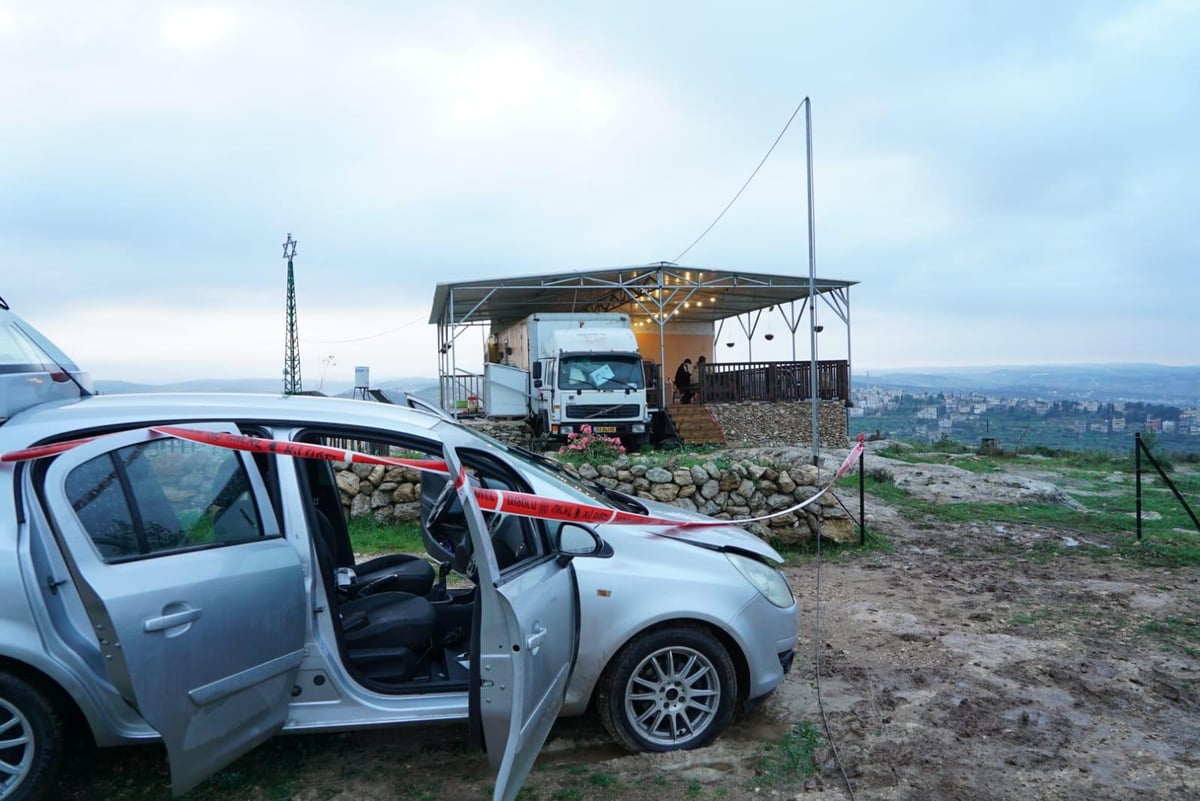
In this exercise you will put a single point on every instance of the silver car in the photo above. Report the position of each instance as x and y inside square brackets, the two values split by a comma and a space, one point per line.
[178, 568]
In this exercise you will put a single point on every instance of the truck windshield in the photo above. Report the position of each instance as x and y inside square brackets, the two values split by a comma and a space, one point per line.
[600, 371]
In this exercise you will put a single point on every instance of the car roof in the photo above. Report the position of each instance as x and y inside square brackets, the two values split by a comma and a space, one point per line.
[98, 412]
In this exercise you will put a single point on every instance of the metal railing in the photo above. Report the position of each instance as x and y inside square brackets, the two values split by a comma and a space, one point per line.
[728, 382]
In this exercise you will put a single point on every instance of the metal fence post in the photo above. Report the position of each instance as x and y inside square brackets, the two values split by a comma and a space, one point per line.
[1137, 471]
[862, 501]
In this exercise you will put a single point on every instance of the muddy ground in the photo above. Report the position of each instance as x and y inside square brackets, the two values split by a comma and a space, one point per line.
[971, 662]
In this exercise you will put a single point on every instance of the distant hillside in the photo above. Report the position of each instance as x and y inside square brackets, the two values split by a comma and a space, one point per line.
[268, 386]
[1152, 383]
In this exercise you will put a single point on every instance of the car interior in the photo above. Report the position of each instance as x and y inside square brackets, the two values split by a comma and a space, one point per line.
[404, 625]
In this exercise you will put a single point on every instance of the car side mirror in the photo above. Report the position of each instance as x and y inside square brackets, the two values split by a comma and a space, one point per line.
[536, 372]
[573, 539]
[537, 383]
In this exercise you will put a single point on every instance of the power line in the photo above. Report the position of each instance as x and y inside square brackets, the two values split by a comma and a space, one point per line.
[748, 180]
[361, 339]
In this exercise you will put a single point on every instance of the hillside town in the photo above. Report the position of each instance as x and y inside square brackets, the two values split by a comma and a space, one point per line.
[968, 415]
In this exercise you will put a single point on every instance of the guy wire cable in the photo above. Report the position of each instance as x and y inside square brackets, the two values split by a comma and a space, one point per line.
[748, 180]
[817, 672]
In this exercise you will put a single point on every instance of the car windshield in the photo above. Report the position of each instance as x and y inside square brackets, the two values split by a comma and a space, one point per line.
[600, 371]
[548, 470]
[24, 350]
[32, 369]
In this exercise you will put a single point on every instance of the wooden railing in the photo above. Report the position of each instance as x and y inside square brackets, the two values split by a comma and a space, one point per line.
[728, 382]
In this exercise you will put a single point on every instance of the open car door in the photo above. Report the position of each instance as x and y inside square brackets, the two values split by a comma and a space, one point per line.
[197, 600]
[524, 645]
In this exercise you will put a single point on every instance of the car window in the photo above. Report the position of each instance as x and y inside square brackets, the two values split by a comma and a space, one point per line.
[396, 497]
[161, 496]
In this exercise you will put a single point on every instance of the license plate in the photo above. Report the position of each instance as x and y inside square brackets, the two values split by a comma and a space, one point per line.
[605, 429]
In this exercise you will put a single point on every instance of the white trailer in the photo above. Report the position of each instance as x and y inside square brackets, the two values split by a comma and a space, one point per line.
[582, 370]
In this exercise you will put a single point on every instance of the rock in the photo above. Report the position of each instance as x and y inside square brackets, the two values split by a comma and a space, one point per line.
[806, 475]
[685, 503]
[709, 489]
[840, 530]
[699, 475]
[664, 492]
[657, 475]
[361, 505]
[779, 501]
[347, 481]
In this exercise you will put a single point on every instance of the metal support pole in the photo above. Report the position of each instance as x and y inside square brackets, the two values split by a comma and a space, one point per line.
[812, 289]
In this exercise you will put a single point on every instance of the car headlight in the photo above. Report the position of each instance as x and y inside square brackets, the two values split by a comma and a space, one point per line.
[766, 579]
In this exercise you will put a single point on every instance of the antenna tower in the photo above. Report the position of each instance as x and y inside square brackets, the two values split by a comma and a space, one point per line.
[292, 385]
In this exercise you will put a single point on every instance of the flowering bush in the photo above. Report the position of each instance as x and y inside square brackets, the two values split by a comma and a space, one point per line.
[589, 447]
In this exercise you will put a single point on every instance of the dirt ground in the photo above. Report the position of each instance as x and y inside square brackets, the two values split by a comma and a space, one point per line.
[966, 664]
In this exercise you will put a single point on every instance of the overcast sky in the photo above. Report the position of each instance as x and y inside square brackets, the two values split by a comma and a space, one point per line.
[1011, 182]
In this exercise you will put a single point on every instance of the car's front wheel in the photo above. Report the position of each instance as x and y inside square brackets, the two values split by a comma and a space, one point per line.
[667, 690]
[31, 740]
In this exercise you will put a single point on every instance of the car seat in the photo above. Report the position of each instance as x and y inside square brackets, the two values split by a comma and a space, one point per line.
[400, 572]
[385, 635]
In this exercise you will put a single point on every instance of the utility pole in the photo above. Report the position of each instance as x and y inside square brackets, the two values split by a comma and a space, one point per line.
[292, 384]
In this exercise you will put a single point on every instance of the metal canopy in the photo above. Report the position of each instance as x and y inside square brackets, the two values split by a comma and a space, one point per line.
[696, 294]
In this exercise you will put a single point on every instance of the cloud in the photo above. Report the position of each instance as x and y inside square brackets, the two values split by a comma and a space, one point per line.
[1146, 24]
[989, 166]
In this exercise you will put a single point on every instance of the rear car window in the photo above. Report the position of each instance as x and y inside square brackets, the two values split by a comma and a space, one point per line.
[163, 496]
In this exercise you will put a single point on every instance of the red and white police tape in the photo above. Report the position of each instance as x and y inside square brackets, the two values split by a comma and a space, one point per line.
[522, 504]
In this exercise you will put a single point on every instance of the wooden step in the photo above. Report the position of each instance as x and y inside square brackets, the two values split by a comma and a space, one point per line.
[695, 425]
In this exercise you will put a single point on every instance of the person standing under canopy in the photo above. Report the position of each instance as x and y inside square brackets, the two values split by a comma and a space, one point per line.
[683, 381]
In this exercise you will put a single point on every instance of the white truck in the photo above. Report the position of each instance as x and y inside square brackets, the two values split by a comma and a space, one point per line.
[576, 370]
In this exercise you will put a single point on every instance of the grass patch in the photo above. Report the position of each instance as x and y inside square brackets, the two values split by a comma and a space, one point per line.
[367, 535]
[1029, 618]
[1170, 541]
[791, 758]
[1175, 634]
[877, 542]
[605, 781]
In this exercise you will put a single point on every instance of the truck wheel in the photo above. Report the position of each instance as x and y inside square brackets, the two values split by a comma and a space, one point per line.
[668, 690]
[31, 740]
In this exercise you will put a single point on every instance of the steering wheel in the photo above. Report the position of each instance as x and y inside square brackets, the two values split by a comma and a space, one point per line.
[447, 524]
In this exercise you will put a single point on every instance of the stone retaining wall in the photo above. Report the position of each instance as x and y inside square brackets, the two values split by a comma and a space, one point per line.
[718, 488]
[785, 423]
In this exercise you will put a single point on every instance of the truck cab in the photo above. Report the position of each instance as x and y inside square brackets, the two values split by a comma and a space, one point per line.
[584, 371]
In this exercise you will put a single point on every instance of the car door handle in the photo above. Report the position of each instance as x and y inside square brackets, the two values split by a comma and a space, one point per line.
[172, 620]
[534, 640]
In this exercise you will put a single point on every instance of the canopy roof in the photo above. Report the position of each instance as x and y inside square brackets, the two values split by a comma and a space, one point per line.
[696, 294]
